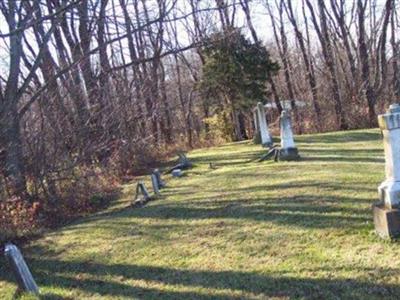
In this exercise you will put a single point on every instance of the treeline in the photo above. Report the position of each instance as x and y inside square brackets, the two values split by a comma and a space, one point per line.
[341, 56]
[94, 89]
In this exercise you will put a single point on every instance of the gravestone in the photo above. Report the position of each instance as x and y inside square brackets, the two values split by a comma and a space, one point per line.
[288, 149]
[183, 163]
[155, 185]
[177, 173]
[161, 183]
[142, 195]
[266, 139]
[212, 166]
[386, 211]
[20, 269]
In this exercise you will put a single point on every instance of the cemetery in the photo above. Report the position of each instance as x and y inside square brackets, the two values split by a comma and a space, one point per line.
[242, 229]
[187, 149]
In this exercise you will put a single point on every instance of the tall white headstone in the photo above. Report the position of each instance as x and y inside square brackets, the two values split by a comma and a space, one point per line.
[266, 139]
[287, 140]
[386, 211]
[389, 190]
[288, 149]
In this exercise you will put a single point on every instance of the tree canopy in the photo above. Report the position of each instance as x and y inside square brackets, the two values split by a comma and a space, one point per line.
[236, 69]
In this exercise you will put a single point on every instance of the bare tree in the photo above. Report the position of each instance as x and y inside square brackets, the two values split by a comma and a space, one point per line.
[326, 44]
[307, 63]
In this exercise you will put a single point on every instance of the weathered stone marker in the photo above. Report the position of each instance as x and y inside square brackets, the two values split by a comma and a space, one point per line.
[266, 139]
[288, 149]
[161, 183]
[142, 195]
[177, 173]
[20, 269]
[154, 182]
[183, 163]
[386, 211]
[212, 166]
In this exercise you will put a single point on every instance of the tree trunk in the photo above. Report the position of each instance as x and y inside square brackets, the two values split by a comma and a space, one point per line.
[10, 136]
[14, 161]
[323, 35]
[307, 63]
[396, 57]
[242, 124]
[237, 134]
[167, 128]
[364, 59]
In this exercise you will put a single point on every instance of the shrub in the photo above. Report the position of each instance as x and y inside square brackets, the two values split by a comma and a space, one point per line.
[220, 127]
[17, 219]
[87, 192]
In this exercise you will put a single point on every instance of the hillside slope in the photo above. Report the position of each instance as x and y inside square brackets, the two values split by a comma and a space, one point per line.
[243, 230]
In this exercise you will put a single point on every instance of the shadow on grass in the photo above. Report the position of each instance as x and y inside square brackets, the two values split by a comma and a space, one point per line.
[348, 152]
[307, 211]
[342, 137]
[372, 155]
[226, 159]
[303, 210]
[323, 186]
[90, 277]
[352, 159]
[367, 155]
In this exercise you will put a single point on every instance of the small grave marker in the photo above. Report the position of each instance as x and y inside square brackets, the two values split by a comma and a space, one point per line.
[20, 269]
[142, 195]
[161, 183]
[183, 163]
[177, 173]
[212, 166]
[155, 185]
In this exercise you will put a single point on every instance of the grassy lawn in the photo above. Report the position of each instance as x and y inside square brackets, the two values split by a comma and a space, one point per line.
[245, 230]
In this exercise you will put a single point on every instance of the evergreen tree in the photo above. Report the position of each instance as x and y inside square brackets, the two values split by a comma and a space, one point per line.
[235, 74]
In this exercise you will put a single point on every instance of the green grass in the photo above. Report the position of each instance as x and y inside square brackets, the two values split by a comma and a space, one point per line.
[245, 230]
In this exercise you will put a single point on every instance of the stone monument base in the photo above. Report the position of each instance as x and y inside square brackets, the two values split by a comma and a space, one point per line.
[387, 221]
[289, 154]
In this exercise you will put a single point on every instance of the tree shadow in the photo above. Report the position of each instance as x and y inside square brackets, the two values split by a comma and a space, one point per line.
[322, 210]
[324, 186]
[342, 137]
[92, 277]
[308, 211]
[369, 155]
[349, 159]
[338, 151]
[226, 160]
